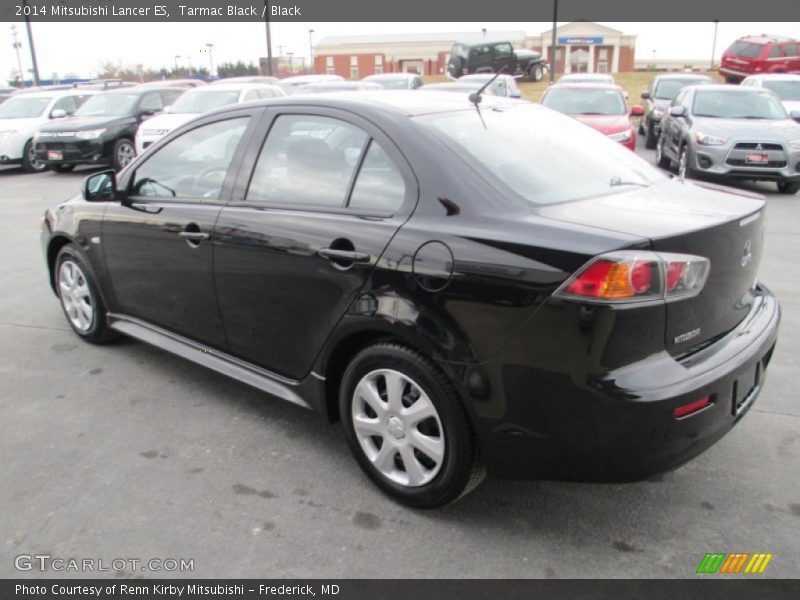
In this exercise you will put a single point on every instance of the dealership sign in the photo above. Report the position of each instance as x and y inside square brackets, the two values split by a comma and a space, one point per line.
[580, 39]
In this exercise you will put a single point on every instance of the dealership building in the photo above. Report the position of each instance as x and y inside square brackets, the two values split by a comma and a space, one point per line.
[580, 47]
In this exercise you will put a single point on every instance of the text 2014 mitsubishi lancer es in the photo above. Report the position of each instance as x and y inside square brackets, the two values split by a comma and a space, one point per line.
[467, 286]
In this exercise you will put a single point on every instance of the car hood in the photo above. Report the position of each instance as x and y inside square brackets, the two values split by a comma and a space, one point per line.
[524, 53]
[607, 124]
[756, 129]
[668, 208]
[19, 124]
[84, 123]
[168, 121]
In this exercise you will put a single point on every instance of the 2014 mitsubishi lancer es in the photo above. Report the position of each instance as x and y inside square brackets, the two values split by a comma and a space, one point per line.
[468, 286]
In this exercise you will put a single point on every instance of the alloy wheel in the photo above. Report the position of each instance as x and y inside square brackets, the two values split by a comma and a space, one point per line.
[682, 165]
[125, 154]
[36, 164]
[76, 297]
[398, 427]
[659, 152]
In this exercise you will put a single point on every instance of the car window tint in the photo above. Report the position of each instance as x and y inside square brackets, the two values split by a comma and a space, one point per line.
[193, 165]
[251, 95]
[67, 104]
[307, 160]
[774, 52]
[379, 185]
[503, 50]
[152, 102]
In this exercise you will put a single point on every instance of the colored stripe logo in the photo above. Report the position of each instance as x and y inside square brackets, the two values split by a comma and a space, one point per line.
[734, 562]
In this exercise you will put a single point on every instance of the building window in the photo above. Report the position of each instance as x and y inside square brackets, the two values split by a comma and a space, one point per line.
[328, 61]
[602, 67]
[353, 61]
[379, 63]
[354, 73]
[602, 54]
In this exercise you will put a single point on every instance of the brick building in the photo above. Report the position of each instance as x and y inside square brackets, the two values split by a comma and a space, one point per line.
[582, 46]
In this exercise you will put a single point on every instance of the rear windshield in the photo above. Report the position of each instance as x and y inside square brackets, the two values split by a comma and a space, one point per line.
[200, 101]
[542, 156]
[786, 90]
[736, 105]
[746, 49]
[576, 101]
[667, 89]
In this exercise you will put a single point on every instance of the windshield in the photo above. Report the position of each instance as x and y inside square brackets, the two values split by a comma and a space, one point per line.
[667, 89]
[23, 108]
[200, 101]
[786, 90]
[737, 105]
[576, 101]
[543, 157]
[108, 105]
[746, 49]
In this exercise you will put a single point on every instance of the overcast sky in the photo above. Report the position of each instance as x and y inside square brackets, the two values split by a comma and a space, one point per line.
[80, 48]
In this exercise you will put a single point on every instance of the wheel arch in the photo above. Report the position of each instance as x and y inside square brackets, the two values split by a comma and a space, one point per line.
[54, 246]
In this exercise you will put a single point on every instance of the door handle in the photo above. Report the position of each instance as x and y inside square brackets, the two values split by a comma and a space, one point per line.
[195, 236]
[344, 255]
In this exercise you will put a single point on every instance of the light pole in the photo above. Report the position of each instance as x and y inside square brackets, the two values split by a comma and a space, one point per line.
[269, 39]
[311, 51]
[210, 47]
[290, 54]
[714, 45]
[17, 45]
[483, 30]
[35, 69]
[177, 56]
[553, 44]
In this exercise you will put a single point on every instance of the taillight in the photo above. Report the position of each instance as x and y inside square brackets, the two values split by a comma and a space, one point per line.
[634, 275]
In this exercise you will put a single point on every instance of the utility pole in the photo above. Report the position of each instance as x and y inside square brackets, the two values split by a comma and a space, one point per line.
[311, 51]
[177, 56]
[35, 70]
[17, 46]
[269, 38]
[553, 44]
[714, 45]
[290, 54]
[210, 47]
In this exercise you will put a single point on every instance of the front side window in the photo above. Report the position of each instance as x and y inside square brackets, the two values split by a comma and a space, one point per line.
[67, 104]
[152, 102]
[193, 165]
[502, 50]
[307, 160]
[108, 105]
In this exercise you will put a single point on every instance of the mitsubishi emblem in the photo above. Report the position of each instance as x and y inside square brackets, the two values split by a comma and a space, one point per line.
[759, 147]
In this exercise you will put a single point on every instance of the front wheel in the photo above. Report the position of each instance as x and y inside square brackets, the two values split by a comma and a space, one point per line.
[684, 170]
[30, 163]
[788, 187]
[82, 304]
[124, 153]
[536, 72]
[407, 427]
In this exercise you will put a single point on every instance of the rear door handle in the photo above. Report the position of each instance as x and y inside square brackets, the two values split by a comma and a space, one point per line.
[195, 236]
[344, 255]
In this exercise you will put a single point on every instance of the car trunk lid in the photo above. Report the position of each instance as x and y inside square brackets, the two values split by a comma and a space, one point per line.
[721, 224]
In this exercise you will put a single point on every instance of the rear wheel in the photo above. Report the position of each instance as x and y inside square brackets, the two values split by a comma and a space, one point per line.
[82, 304]
[536, 72]
[30, 163]
[788, 187]
[124, 153]
[407, 427]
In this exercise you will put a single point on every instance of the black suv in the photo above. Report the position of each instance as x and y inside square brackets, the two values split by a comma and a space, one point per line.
[492, 57]
[103, 129]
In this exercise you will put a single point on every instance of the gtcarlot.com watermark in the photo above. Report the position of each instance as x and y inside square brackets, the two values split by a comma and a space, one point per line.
[47, 562]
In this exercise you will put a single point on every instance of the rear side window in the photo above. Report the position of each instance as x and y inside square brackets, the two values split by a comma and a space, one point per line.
[307, 160]
[380, 185]
[746, 49]
[67, 104]
[790, 50]
[503, 50]
[774, 51]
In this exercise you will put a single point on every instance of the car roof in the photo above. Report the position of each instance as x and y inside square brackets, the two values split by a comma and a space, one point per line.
[401, 103]
[391, 76]
[765, 39]
[585, 86]
[776, 77]
[57, 93]
[207, 89]
[142, 89]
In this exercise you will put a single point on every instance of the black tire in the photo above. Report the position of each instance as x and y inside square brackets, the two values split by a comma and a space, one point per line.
[651, 139]
[461, 469]
[123, 148]
[63, 168]
[688, 172]
[661, 159]
[641, 128]
[29, 162]
[98, 331]
[732, 79]
[788, 187]
[536, 72]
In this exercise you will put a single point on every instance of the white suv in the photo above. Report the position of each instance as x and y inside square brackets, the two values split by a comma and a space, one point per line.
[785, 85]
[22, 115]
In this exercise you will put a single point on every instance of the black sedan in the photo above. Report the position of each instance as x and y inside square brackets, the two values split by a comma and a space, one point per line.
[102, 131]
[469, 289]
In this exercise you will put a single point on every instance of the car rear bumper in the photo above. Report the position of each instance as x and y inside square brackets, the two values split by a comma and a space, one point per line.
[733, 72]
[620, 428]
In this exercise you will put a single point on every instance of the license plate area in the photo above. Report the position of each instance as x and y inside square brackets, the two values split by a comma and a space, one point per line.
[55, 155]
[756, 158]
[745, 389]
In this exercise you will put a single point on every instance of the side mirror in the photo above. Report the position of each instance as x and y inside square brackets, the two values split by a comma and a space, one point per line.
[58, 113]
[100, 187]
[147, 112]
[166, 109]
[637, 111]
[645, 95]
[677, 111]
[516, 94]
[795, 114]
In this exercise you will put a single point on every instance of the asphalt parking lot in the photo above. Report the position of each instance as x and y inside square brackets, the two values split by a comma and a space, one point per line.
[125, 451]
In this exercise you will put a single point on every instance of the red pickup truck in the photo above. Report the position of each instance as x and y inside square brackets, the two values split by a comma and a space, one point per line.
[759, 54]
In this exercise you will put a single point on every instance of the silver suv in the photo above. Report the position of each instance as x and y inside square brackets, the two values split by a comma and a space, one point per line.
[731, 132]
